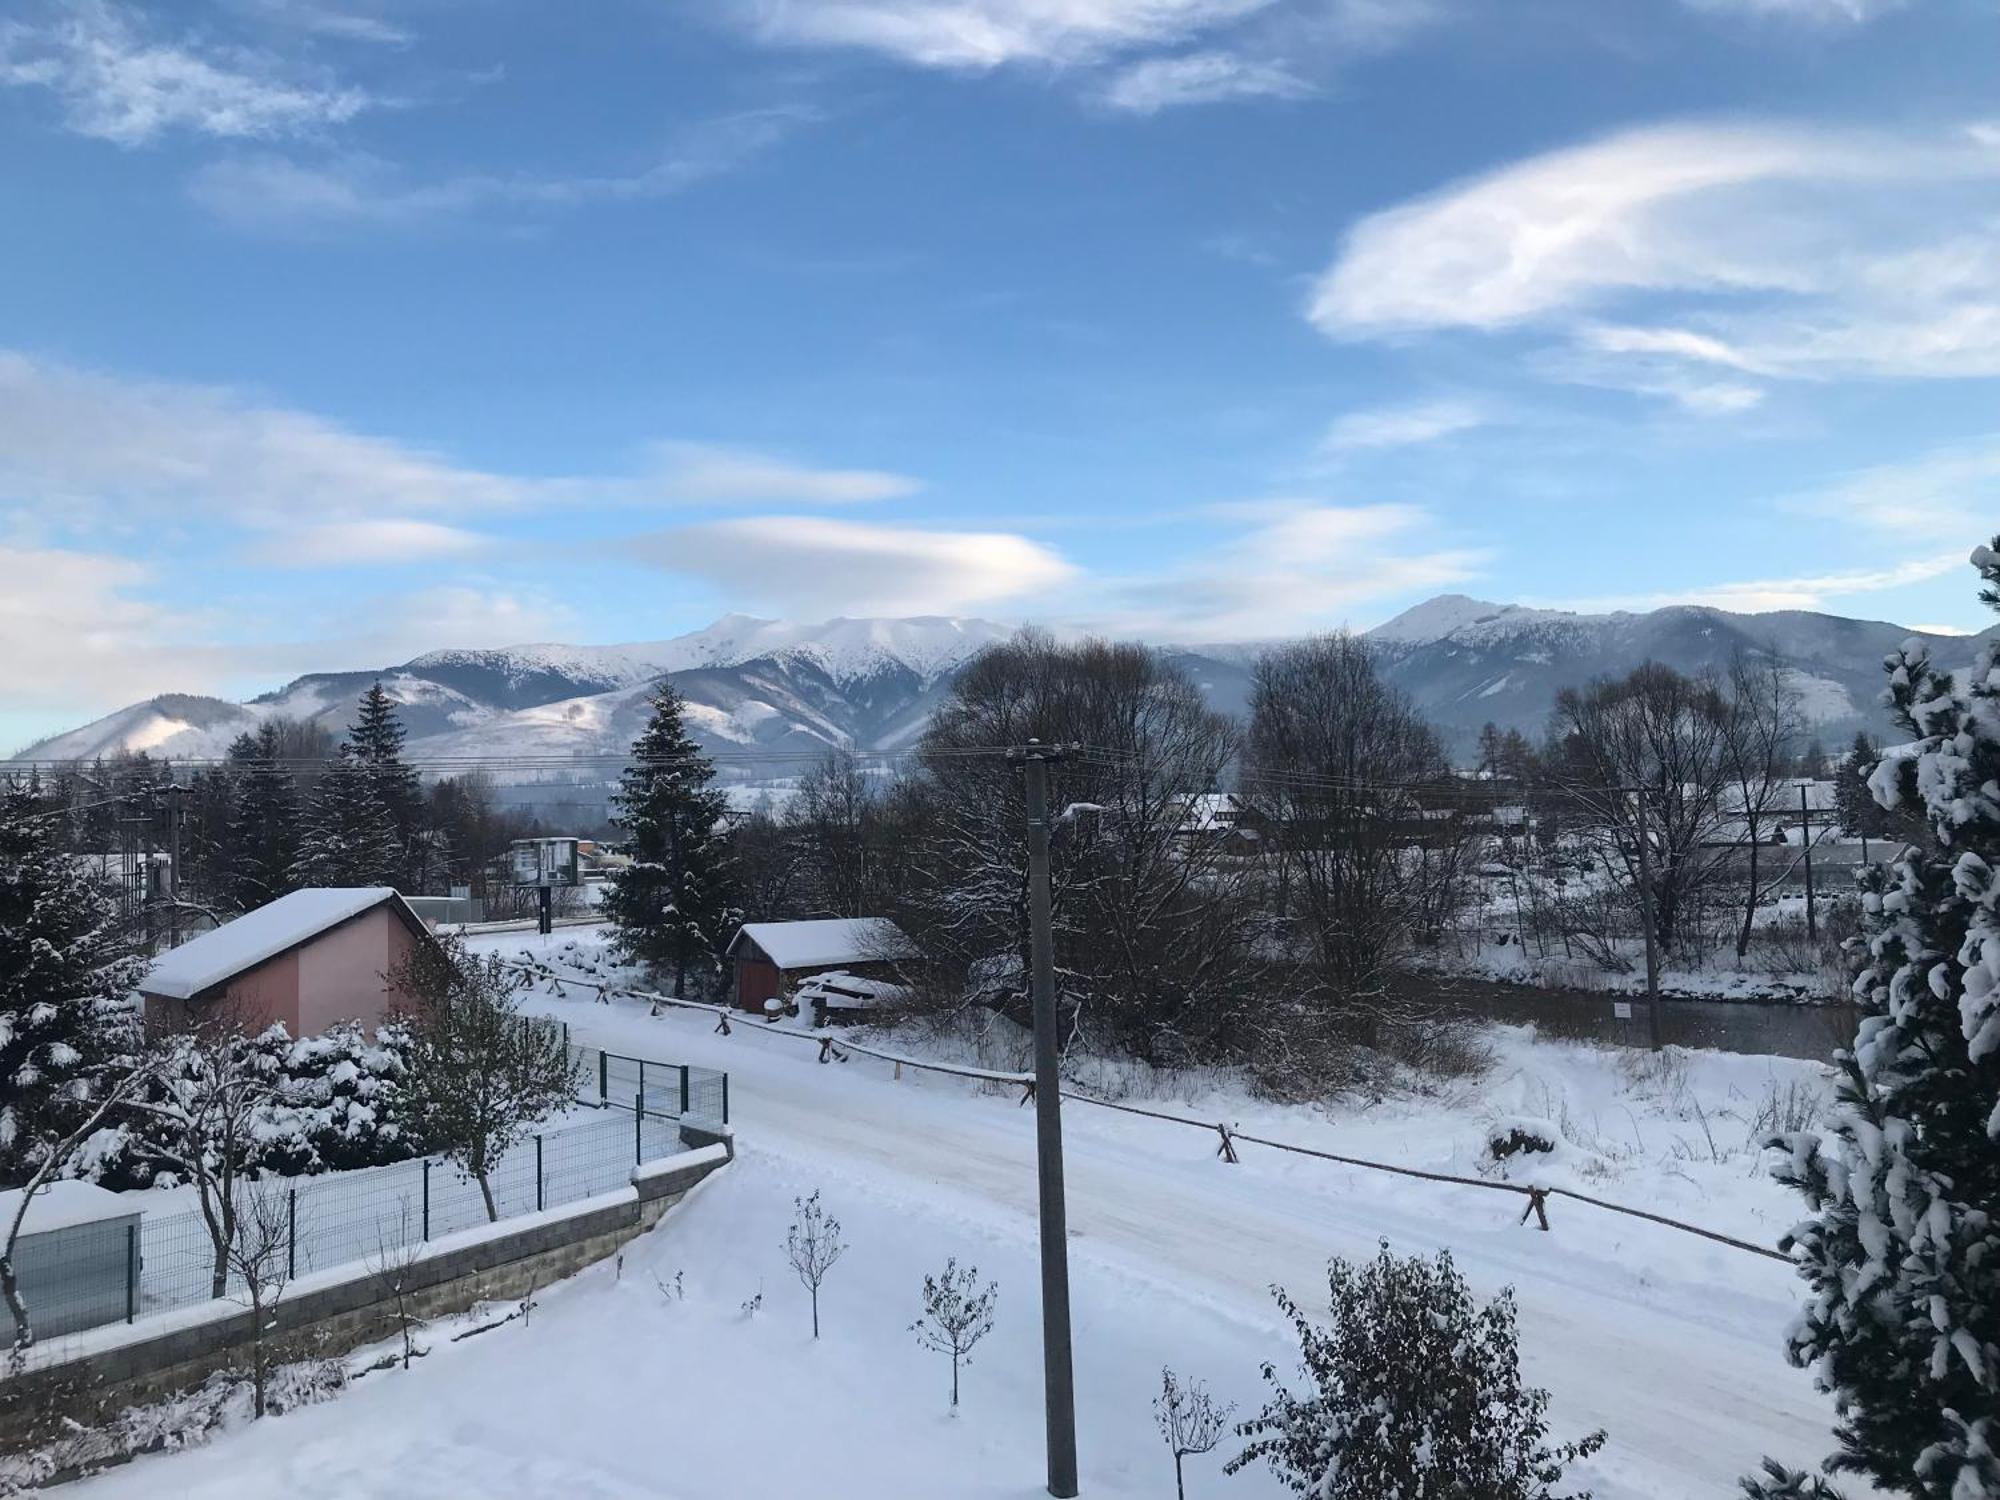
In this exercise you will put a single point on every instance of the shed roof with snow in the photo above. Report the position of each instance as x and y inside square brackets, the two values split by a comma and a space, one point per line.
[207, 963]
[65, 1204]
[824, 942]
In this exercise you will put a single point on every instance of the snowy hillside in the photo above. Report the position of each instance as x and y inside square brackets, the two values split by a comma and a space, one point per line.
[777, 686]
[1467, 661]
[771, 684]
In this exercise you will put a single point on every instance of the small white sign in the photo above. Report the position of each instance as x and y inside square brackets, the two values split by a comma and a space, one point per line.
[1622, 1009]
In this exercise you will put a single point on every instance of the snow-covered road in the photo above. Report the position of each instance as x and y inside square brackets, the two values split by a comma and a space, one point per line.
[1669, 1342]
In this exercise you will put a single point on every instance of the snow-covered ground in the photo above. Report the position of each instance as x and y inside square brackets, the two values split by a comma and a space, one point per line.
[615, 1390]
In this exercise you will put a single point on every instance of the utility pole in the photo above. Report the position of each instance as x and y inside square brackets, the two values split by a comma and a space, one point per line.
[1805, 838]
[1653, 1036]
[1058, 1380]
[176, 816]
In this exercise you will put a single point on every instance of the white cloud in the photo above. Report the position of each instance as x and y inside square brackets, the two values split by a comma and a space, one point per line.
[814, 565]
[73, 632]
[1402, 426]
[366, 540]
[271, 191]
[1777, 252]
[1813, 11]
[1811, 592]
[81, 438]
[118, 85]
[1300, 565]
[447, 616]
[981, 34]
[1159, 83]
[1947, 494]
[86, 445]
[702, 472]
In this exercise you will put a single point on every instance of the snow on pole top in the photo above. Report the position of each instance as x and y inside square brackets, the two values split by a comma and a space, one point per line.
[217, 957]
[831, 940]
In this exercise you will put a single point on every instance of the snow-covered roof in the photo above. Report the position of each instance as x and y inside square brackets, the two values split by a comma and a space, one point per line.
[217, 957]
[64, 1205]
[830, 940]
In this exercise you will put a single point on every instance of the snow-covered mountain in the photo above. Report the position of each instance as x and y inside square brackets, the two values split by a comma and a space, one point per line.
[768, 685]
[782, 689]
[1468, 661]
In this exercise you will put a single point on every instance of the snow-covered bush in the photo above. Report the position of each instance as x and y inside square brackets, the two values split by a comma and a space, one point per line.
[1414, 1391]
[334, 1102]
[1902, 1249]
[1518, 1137]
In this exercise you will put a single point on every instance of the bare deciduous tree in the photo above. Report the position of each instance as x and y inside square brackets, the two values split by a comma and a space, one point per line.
[1765, 723]
[1336, 768]
[1155, 930]
[957, 1314]
[482, 1073]
[200, 1123]
[393, 1268]
[1663, 735]
[812, 1245]
[1191, 1420]
[259, 1258]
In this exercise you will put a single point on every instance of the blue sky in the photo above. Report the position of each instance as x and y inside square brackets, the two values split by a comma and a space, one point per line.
[332, 331]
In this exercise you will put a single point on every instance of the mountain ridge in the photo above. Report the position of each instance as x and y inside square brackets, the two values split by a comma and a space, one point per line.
[781, 688]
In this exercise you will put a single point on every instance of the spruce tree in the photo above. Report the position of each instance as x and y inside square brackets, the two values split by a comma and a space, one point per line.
[1902, 1251]
[65, 972]
[674, 904]
[263, 831]
[349, 836]
[375, 740]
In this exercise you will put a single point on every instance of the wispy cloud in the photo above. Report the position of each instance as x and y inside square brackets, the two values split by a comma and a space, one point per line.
[374, 541]
[982, 34]
[1159, 83]
[703, 472]
[1402, 426]
[1812, 591]
[816, 565]
[272, 191]
[1944, 495]
[1812, 12]
[1295, 565]
[91, 445]
[1770, 252]
[118, 84]
[345, 23]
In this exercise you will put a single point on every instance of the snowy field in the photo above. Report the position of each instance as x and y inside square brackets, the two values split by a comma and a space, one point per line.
[618, 1389]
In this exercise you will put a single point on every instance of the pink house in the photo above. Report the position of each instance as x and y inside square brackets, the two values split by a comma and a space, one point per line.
[308, 959]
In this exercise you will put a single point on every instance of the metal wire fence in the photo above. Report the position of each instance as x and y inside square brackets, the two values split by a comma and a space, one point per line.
[81, 1276]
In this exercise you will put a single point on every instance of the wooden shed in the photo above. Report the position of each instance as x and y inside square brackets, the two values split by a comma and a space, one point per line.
[769, 957]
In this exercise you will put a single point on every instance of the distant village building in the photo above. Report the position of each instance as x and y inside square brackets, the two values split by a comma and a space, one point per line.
[771, 957]
[307, 960]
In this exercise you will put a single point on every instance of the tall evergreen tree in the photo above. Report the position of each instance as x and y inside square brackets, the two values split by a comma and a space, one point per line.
[349, 836]
[675, 903]
[263, 831]
[375, 740]
[65, 970]
[1902, 1251]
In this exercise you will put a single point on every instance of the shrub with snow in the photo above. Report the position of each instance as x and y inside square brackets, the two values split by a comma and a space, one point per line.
[1414, 1391]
